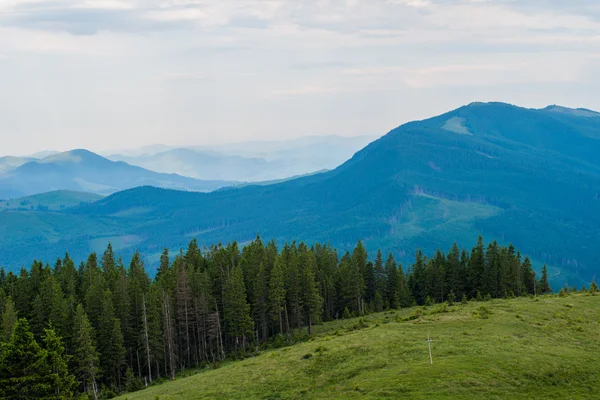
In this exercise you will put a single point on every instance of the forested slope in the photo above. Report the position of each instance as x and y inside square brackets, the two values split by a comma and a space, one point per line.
[531, 176]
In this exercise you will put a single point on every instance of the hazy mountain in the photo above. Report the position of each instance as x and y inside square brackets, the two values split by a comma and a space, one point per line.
[252, 161]
[9, 163]
[206, 165]
[81, 170]
[527, 176]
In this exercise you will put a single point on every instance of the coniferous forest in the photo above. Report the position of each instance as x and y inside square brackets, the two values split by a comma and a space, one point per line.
[104, 327]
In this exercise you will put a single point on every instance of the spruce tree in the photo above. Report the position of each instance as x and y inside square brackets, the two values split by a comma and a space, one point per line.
[260, 302]
[9, 320]
[477, 268]
[418, 279]
[85, 357]
[236, 309]
[24, 373]
[60, 379]
[312, 300]
[277, 294]
[110, 341]
[544, 285]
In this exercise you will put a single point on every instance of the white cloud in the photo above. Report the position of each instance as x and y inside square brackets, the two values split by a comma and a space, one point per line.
[129, 69]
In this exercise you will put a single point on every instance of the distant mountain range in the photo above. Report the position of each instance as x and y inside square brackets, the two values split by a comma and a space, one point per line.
[248, 161]
[82, 170]
[526, 176]
[8, 163]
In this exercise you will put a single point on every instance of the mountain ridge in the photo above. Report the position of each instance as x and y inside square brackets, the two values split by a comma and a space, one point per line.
[83, 170]
[419, 186]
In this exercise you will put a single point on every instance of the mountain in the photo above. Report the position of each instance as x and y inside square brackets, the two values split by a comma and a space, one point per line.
[8, 163]
[206, 165]
[251, 161]
[81, 170]
[56, 200]
[527, 176]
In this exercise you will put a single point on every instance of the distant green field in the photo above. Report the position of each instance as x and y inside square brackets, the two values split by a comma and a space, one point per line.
[56, 200]
[527, 348]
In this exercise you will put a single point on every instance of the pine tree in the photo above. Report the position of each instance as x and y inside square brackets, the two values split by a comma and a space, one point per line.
[9, 320]
[110, 341]
[312, 300]
[418, 279]
[85, 357]
[378, 302]
[59, 379]
[24, 373]
[477, 268]
[544, 285]
[260, 302]
[137, 286]
[527, 277]
[381, 279]
[359, 261]
[391, 273]
[277, 293]
[292, 285]
[163, 269]
[236, 309]
[184, 309]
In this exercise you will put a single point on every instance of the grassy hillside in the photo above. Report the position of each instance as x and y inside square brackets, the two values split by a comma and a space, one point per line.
[527, 348]
[55, 200]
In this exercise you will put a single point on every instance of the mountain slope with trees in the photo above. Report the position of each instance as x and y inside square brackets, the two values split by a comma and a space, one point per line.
[109, 328]
[486, 168]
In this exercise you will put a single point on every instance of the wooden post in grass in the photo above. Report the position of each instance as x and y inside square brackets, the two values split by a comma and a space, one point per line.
[429, 345]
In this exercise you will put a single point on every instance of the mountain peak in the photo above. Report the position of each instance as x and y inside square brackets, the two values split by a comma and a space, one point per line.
[578, 112]
[75, 156]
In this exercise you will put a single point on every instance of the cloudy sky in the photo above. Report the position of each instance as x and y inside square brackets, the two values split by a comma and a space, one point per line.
[110, 74]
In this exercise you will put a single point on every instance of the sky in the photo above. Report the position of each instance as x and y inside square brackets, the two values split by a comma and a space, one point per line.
[112, 74]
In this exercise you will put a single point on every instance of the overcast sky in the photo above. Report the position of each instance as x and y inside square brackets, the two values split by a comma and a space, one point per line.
[110, 74]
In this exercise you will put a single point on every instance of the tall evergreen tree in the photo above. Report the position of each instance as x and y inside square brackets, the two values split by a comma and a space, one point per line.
[86, 357]
[110, 341]
[277, 294]
[59, 379]
[23, 369]
[237, 318]
[544, 285]
[9, 320]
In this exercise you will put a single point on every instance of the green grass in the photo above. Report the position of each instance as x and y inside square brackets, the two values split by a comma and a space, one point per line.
[503, 349]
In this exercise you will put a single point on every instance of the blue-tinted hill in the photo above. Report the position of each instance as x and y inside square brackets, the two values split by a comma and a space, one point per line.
[82, 170]
[512, 174]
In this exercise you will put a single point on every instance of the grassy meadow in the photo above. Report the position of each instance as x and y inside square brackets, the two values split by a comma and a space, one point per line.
[527, 348]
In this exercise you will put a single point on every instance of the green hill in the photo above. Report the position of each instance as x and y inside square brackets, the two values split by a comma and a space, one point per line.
[526, 348]
[56, 200]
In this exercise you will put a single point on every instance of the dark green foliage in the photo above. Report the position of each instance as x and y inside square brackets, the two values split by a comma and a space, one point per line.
[346, 314]
[60, 380]
[238, 323]
[24, 369]
[207, 305]
[85, 355]
[9, 320]
[544, 286]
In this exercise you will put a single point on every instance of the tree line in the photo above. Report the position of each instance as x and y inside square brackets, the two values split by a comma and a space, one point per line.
[102, 327]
